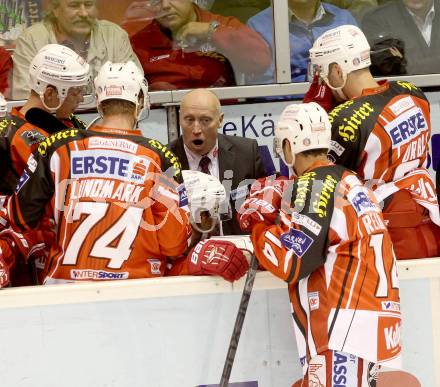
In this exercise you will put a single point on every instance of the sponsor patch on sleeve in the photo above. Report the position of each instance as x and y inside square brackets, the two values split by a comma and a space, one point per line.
[297, 241]
[23, 179]
[360, 201]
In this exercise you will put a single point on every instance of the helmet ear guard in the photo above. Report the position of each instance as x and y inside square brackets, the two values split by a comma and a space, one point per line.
[60, 67]
[206, 197]
[123, 81]
[345, 45]
[305, 126]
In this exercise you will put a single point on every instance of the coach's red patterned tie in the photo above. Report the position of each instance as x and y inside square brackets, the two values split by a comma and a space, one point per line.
[204, 164]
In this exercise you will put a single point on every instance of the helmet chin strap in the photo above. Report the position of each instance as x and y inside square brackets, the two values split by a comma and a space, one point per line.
[338, 90]
[52, 109]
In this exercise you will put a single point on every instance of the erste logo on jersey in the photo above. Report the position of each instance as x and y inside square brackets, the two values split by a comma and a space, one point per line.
[406, 127]
[109, 164]
[297, 241]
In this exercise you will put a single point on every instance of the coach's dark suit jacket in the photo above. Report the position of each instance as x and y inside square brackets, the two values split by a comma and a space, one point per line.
[393, 19]
[241, 155]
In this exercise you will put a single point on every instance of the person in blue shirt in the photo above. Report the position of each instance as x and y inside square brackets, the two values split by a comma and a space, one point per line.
[308, 19]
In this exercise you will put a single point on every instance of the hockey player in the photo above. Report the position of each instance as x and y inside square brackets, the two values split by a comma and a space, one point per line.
[382, 132]
[58, 76]
[335, 253]
[207, 199]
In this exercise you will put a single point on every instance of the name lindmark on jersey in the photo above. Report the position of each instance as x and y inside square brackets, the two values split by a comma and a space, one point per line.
[320, 204]
[49, 141]
[106, 189]
[349, 130]
[406, 127]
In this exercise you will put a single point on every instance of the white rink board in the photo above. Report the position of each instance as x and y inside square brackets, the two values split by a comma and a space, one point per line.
[140, 333]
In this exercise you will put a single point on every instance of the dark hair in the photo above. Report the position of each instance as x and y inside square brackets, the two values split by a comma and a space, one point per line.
[315, 152]
[112, 107]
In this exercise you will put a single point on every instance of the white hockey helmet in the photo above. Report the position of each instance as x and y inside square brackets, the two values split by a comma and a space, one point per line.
[306, 126]
[60, 67]
[3, 106]
[122, 81]
[345, 45]
[205, 194]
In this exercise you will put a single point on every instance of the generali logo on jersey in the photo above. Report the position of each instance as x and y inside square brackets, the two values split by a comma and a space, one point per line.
[113, 143]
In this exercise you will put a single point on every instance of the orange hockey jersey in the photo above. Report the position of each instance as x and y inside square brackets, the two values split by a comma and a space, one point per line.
[118, 208]
[18, 139]
[383, 134]
[334, 251]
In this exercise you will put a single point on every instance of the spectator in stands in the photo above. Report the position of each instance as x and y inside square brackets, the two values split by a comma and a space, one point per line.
[188, 47]
[73, 24]
[308, 19]
[5, 68]
[241, 9]
[202, 148]
[417, 23]
[358, 8]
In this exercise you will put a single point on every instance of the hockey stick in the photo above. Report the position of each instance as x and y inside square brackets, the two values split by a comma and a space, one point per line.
[44, 120]
[233, 344]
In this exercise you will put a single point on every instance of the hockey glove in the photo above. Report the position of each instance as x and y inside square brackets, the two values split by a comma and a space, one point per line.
[320, 93]
[214, 257]
[7, 261]
[24, 246]
[263, 203]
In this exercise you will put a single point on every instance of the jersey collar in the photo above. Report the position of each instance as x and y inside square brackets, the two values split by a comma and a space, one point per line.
[103, 129]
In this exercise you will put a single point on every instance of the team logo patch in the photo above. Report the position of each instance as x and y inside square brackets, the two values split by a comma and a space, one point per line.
[154, 266]
[23, 179]
[313, 300]
[32, 137]
[32, 163]
[336, 147]
[307, 222]
[391, 306]
[183, 196]
[317, 371]
[373, 371]
[297, 241]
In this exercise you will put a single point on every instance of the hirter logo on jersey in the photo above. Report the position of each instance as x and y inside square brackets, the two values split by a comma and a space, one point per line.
[406, 127]
[297, 241]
